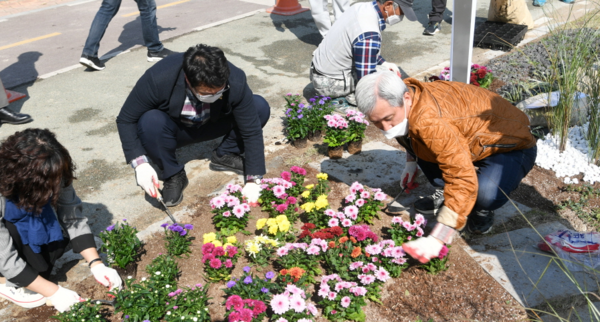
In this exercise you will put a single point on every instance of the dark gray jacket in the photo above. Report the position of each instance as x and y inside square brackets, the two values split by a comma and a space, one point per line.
[73, 222]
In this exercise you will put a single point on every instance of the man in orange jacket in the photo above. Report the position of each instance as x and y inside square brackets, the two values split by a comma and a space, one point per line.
[472, 145]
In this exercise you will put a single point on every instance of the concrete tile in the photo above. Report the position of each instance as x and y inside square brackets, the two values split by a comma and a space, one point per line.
[513, 260]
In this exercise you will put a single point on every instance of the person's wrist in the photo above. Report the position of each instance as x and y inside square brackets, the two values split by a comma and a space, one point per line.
[95, 262]
[51, 290]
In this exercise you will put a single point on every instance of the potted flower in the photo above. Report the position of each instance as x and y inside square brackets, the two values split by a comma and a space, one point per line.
[292, 305]
[364, 202]
[231, 211]
[342, 300]
[260, 249]
[188, 304]
[336, 135]
[219, 256]
[177, 240]
[296, 124]
[438, 264]
[403, 231]
[251, 286]
[82, 311]
[480, 75]
[318, 107]
[122, 247]
[357, 124]
[300, 255]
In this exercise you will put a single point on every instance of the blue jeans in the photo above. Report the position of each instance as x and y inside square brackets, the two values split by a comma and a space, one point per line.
[497, 173]
[108, 10]
[161, 136]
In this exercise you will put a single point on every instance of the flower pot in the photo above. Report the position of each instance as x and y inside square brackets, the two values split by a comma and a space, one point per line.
[315, 136]
[336, 152]
[129, 270]
[300, 143]
[355, 147]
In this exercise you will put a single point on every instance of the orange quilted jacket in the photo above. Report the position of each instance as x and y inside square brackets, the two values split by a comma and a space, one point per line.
[454, 124]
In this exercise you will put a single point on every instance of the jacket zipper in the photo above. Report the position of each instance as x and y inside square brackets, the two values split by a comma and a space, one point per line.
[504, 146]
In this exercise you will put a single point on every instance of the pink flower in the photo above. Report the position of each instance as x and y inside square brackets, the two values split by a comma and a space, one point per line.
[355, 265]
[365, 194]
[380, 196]
[339, 286]
[346, 301]
[324, 290]
[349, 210]
[238, 211]
[373, 249]
[360, 202]
[366, 279]
[231, 251]
[350, 198]
[313, 250]
[356, 185]
[365, 269]
[397, 220]
[246, 207]
[372, 266]
[283, 207]
[218, 202]
[382, 274]
[330, 212]
[234, 301]
[282, 251]
[228, 263]
[358, 291]
[312, 309]
[280, 304]
[346, 222]
[340, 215]
[219, 251]
[398, 252]
[297, 303]
[354, 216]
[399, 261]
[331, 296]
[227, 213]
[443, 252]
[409, 238]
[408, 226]
[282, 320]
[286, 176]
[419, 232]
[215, 263]
[333, 222]
[278, 191]
[292, 200]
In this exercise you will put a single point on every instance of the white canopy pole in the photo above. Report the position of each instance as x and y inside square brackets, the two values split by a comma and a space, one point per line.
[463, 27]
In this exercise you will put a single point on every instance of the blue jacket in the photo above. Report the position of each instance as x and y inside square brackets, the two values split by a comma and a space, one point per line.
[163, 87]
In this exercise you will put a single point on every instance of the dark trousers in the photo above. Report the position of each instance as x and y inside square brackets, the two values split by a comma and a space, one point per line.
[437, 10]
[161, 136]
[42, 262]
[497, 173]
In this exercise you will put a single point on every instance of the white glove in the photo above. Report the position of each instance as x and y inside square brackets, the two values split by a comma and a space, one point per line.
[393, 67]
[424, 248]
[147, 178]
[251, 191]
[408, 176]
[64, 298]
[107, 276]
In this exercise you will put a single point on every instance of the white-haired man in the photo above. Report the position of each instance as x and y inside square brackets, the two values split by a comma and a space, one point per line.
[468, 141]
[352, 46]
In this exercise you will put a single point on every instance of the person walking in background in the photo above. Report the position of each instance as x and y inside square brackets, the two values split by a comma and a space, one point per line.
[320, 13]
[40, 215]
[108, 9]
[435, 17]
[8, 116]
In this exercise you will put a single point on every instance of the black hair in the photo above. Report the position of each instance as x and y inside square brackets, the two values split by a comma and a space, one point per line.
[205, 65]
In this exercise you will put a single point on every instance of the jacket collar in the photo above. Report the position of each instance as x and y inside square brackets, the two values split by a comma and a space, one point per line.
[381, 20]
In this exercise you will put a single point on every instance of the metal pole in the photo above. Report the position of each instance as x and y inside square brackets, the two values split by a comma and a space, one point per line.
[463, 26]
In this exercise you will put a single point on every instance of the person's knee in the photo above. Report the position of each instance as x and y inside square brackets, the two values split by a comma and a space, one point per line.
[489, 197]
[153, 123]
[262, 108]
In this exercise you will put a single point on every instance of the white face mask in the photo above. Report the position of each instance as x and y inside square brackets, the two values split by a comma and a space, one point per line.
[209, 98]
[394, 19]
[398, 130]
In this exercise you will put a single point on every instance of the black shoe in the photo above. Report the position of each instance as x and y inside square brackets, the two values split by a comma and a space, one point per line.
[480, 222]
[8, 116]
[173, 189]
[432, 28]
[430, 204]
[158, 55]
[228, 162]
[91, 62]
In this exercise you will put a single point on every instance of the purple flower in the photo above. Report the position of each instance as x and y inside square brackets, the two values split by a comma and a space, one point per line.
[177, 229]
[264, 290]
[110, 228]
[188, 226]
[300, 116]
[248, 280]
[124, 219]
[146, 321]
[231, 284]
[164, 225]
[247, 269]
[270, 275]
[182, 233]
[321, 102]
[127, 316]
[312, 100]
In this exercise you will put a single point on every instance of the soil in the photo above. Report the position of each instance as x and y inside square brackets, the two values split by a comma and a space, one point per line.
[315, 136]
[355, 147]
[336, 152]
[300, 143]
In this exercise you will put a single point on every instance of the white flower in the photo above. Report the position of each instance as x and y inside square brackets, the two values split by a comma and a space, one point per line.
[143, 279]
[129, 277]
[97, 302]
[97, 316]
[183, 317]
[157, 273]
[195, 319]
[168, 312]
[167, 286]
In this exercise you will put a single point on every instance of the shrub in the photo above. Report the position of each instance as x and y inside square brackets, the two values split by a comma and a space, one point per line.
[121, 244]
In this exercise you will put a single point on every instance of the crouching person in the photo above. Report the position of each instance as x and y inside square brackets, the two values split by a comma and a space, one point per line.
[40, 216]
[471, 144]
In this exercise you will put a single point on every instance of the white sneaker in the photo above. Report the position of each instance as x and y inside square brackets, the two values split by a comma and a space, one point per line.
[22, 296]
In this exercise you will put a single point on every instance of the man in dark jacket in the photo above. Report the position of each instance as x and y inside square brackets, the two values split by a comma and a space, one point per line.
[188, 98]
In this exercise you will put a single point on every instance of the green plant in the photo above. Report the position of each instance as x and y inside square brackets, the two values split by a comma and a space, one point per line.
[403, 231]
[591, 86]
[231, 212]
[278, 228]
[337, 133]
[314, 111]
[219, 256]
[250, 286]
[163, 270]
[344, 303]
[260, 250]
[357, 124]
[82, 311]
[177, 240]
[188, 304]
[581, 205]
[365, 204]
[438, 264]
[121, 244]
[296, 125]
[299, 255]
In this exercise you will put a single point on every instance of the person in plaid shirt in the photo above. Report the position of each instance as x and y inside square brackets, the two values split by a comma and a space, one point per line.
[338, 64]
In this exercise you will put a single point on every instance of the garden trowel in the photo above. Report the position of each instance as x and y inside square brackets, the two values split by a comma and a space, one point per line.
[160, 199]
[394, 207]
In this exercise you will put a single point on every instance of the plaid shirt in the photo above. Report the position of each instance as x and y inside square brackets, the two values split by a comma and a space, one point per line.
[366, 48]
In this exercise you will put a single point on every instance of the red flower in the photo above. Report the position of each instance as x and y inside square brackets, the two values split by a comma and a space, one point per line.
[481, 73]
[308, 226]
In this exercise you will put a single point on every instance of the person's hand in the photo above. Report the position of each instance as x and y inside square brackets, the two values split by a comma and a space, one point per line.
[423, 249]
[251, 191]
[64, 298]
[393, 67]
[408, 176]
[107, 276]
[147, 178]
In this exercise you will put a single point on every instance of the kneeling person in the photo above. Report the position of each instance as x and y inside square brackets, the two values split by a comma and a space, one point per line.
[188, 98]
[472, 145]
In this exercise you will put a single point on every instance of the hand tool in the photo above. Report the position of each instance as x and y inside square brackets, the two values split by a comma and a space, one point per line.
[160, 199]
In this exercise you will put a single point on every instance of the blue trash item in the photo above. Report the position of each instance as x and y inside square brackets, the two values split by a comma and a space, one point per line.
[539, 3]
[568, 1]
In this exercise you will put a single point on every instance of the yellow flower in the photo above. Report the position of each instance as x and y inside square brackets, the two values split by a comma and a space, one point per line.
[322, 176]
[261, 223]
[272, 242]
[261, 239]
[321, 202]
[308, 207]
[253, 248]
[310, 186]
[284, 226]
[305, 194]
[273, 229]
[217, 243]
[209, 237]
[281, 218]
[271, 222]
[231, 240]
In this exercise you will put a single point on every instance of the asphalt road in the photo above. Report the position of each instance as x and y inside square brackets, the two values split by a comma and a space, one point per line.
[41, 42]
